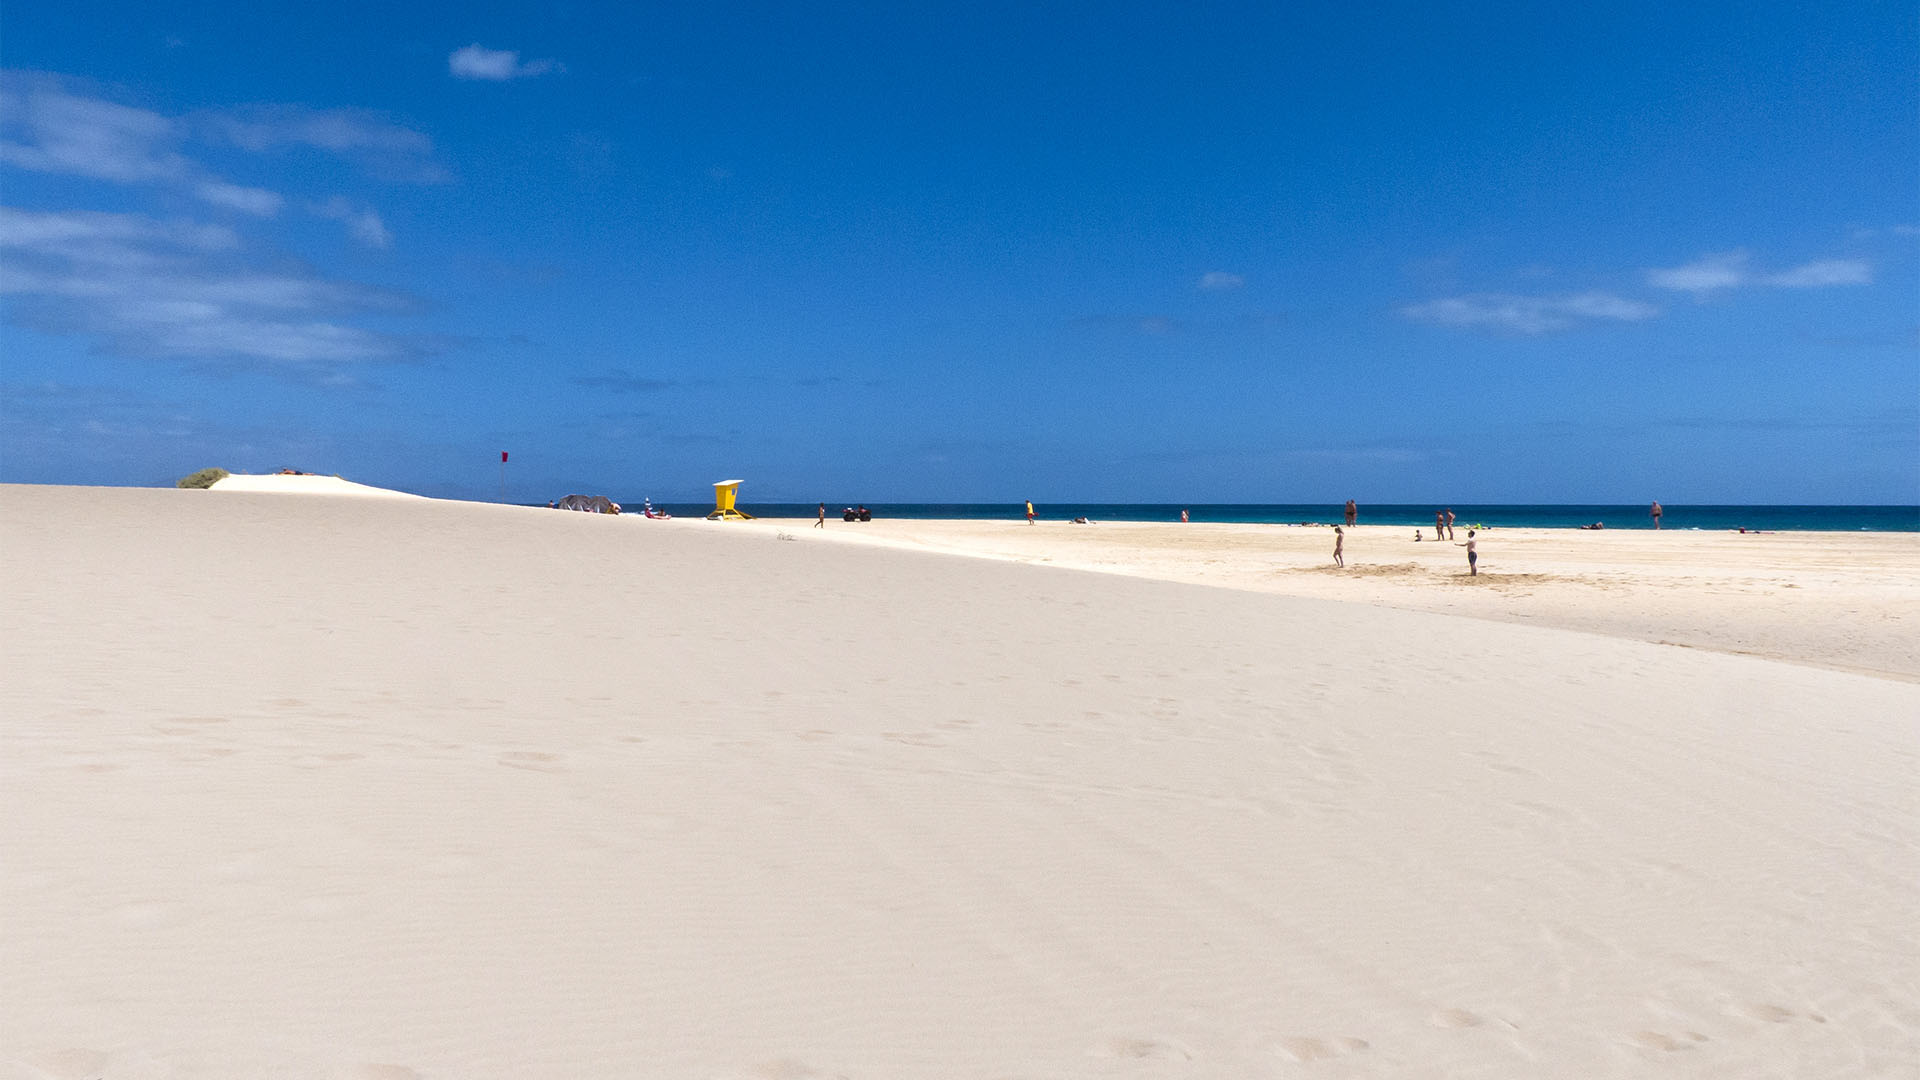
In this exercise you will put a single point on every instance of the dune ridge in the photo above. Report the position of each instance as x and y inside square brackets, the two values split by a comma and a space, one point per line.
[432, 789]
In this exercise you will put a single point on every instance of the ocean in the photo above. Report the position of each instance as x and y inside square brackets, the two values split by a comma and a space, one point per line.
[1409, 516]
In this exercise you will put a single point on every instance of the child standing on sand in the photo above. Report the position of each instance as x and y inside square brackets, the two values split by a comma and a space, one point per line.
[1473, 557]
[1339, 544]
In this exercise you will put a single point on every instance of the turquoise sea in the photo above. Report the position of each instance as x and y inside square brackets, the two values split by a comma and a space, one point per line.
[1507, 515]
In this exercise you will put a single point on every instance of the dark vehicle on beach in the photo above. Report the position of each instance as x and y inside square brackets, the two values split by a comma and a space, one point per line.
[856, 514]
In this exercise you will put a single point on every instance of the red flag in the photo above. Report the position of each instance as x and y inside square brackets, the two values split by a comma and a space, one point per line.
[503, 457]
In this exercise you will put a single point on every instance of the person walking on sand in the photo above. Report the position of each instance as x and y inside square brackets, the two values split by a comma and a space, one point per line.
[1656, 515]
[1473, 557]
[1029, 511]
[1449, 522]
[1339, 547]
[822, 523]
[1353, 513]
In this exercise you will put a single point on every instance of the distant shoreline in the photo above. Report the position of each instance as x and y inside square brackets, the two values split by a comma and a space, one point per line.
[1677, 518]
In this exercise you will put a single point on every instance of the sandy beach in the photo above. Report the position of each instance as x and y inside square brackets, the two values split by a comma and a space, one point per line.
[342, 787]
[1841, 600]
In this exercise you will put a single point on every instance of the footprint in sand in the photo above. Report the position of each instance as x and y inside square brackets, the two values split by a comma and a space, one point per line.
[1773, 1014]
[72, 1064]
[1305, 1048]
[915, 738]
[533, 760]
[1159, 1049]
[1455, 1018]
[1654, 1040]
[1539, 809]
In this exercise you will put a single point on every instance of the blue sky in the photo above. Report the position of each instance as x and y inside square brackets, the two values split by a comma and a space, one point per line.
[1126, 252]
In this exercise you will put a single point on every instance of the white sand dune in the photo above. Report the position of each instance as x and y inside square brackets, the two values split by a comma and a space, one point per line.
[301, 484]
[319, 788]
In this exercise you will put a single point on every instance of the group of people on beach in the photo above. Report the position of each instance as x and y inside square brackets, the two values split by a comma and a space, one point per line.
[1442, 530]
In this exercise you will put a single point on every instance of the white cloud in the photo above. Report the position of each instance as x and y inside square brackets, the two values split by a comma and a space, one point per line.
[1703, 276]
[176, 290]
[365, 137]
[79, 231]
[1824, 272]
[256, 201]
[1529, 314]
[1711, 274]
[495, 65]
[51, 124]
[362, 223]
[152, 288]
[46, 128]
[1220, 281]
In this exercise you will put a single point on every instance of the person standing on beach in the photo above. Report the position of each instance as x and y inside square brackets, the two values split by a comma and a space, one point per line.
[1029, 511]
[1339, 546]
[1439, 524]
[1656, 515]
[1473, 557]
[822, 523]
[1449, 522]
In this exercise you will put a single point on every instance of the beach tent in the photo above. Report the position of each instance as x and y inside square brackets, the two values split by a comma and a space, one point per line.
[724, 493]
[593, 504]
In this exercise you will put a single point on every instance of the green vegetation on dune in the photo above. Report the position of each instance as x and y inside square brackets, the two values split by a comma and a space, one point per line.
[205, 478]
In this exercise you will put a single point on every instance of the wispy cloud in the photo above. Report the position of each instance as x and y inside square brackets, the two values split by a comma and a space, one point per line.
[363, 224]
[494, 65]
[364, 137]
[1530, 315]
[147, 288]
[1704, 276]
[1219, 281]
[45, 127]
[1824, 272]
[54, 124]
[256, 201]
[1711, 274]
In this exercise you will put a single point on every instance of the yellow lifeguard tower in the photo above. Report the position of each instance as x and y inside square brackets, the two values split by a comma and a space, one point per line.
[724, 493]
